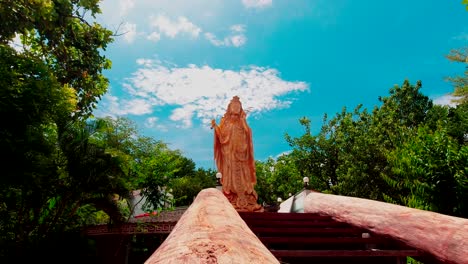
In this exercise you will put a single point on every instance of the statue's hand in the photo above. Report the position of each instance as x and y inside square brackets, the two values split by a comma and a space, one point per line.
[213, 123]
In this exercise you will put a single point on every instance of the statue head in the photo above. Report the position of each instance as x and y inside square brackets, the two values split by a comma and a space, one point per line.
[235, 107]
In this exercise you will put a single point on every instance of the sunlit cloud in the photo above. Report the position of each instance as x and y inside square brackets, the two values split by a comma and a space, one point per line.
[183, 114]
[257, 3]
[163, 25]
[448, 100]
[155, 21]
[146, 62]
[284, 153]
[154, 36]
[129, 32]
[203, 92]
[150, 122]
[113, 106]
[153, 122]
[236, 38]
[125, 6]
[238, 28]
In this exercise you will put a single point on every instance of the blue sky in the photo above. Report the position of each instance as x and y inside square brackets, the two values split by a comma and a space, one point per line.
[178, 63]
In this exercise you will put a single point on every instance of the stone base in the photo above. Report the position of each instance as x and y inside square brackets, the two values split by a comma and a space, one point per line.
[244, 203]
[259, 209]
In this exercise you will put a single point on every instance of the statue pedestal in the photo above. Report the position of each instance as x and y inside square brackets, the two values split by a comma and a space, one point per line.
[244, 203]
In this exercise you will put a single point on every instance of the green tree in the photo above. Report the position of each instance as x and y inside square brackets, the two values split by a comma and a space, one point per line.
[60, 34]
[54, 194]
[148, 163]
[154, 173]
[360, 155]
[454, 119]
[185, 188]
[47, 87]
[29, 100]
[265, 185]
[93, 174]
[460, 83]
[315, 157]
[399, 116]
[431, 172]
[277, 178]
[344, 157]
[458, 123]
[349, 154]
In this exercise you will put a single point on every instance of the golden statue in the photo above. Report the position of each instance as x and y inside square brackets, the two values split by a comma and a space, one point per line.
[233, 153]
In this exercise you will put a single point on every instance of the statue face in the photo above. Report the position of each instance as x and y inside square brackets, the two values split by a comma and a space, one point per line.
[235, 108]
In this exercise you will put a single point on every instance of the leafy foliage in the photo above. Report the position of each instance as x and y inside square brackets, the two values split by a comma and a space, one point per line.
[315, 155]
[185, 188]
[432, 170]
[58, 32]
[52, 194]
[277, 179]
[51, 169]
[405, 151]
[149, 164]
[61, 169]
[460, 83]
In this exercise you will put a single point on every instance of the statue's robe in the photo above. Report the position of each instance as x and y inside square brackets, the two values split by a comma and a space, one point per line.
[234, 158]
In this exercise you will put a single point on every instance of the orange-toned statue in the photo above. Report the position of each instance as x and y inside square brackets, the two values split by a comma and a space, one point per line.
[233, 150]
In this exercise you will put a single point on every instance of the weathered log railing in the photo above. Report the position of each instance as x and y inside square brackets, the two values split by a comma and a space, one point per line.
[211, 231]
[444, 237]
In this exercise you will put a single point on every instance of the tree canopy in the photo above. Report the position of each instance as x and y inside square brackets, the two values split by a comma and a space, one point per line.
[62, 167]
[460, 83]
[406, 151]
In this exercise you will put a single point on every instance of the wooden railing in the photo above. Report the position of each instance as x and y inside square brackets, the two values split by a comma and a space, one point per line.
[441, 236]
[211, 231]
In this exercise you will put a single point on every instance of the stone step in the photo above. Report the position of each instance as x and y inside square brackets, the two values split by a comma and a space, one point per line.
[252, 223]
[323, 240]
[308, 231]
[283, 216]
[345, 253]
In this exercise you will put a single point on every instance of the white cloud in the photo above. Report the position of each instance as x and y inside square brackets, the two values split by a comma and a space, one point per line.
[129, 32]
[284, 153]
[155, 36]
[445, 100]
[113, 106]
[212, 38]
[125, 6]
[145, 62]
[257, 3]
[237, 37]
[152, 122]
[202, 92]
[163, 25]
[238, 28]
[156, 20]
[184, 115]
[238, 40]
